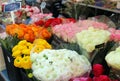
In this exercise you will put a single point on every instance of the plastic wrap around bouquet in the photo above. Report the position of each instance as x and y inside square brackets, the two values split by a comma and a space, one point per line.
[59, 65]
[90, 35]
[113, 62]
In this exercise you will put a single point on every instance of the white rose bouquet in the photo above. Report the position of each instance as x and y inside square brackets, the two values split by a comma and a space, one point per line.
[92, 37]
[113, 61]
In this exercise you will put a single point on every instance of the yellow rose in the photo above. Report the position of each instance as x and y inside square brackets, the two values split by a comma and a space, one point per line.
[16, 53]
[17, 62]
[38, 41]
[22, 47]
[48, 46]
[26, 63]
[38, 48]
[22, 42]
[26, 51]
[15, 48]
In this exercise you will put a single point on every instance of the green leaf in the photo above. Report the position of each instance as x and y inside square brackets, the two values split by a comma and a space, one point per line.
[9, 42]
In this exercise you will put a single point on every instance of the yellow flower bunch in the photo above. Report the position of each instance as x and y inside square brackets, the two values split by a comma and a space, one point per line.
[22, 62]
[22, 48]
[40, 45]
[21, 53]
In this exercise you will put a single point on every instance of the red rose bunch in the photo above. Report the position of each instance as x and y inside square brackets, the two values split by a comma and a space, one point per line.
[39, 23]
[54, 21]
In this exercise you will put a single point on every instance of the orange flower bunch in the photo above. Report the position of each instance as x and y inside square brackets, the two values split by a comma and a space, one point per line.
[28, 32]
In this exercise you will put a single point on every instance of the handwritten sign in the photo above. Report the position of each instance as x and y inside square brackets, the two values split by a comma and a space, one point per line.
[12, 7]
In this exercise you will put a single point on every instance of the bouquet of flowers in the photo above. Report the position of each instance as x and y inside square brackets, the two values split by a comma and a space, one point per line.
[46, 65]
[28, 32]
[112, 59]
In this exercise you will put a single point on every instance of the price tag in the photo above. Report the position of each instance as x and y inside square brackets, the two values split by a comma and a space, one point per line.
[43, 5]
[12, 7]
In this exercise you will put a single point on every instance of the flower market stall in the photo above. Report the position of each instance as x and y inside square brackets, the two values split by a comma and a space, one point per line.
[60, 40]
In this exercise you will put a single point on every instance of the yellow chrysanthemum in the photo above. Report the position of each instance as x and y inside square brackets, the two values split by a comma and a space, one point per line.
[26, 63]
[17, 62]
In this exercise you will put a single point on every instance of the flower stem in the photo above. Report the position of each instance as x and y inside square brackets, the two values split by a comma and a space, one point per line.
[75, 8]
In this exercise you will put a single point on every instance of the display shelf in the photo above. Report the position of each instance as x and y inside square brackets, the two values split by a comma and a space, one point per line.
[102, 8]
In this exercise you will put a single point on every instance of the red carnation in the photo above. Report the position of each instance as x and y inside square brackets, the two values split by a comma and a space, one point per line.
[102, 78]
[98, 70]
